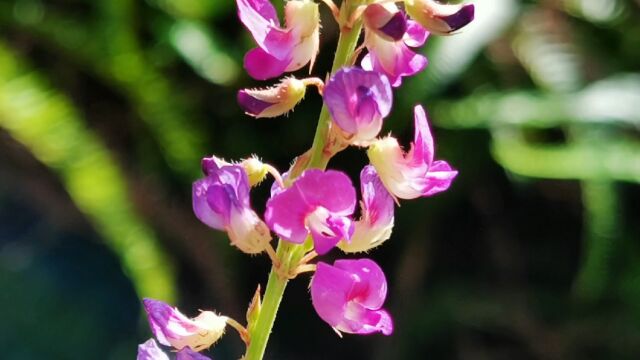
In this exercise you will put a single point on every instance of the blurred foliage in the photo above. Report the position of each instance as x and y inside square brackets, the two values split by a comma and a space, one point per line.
[106, 107]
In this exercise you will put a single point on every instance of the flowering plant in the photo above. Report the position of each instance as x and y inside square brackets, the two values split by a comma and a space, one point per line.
[311, 208]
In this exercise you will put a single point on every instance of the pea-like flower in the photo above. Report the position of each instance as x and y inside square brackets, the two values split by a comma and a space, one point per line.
[274, 101]
[172, 328]
[319, 203]
[349, 296]
[221, 201]
[358, 101]
[376, 220]
[388, 36]
[440, 19]
[413, 174]
[151, 351]
[280, 49]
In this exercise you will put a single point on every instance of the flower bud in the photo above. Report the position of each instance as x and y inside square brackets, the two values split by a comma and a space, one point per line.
[274, 101]
[172, 328]
[256, 170]
[440, 19]
[386, 20]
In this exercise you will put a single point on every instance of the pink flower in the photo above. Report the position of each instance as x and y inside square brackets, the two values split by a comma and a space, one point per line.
[376, 221]
[388, 36]
[280, 49]
[358, 102]
[149, 350]
[172, 328]
[415, 173]
[221, 201]
[349, 296]
[319, 203]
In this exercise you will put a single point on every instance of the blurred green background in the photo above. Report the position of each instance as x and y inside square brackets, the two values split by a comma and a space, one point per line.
[106, 108]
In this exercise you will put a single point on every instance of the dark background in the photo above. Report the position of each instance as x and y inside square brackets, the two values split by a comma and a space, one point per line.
[106, 108]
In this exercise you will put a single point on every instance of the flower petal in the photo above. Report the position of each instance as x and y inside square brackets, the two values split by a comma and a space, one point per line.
[188, 354]
[260, 65]
[260, 18]
[394, 59]
[415, 35]
[422, 149]
[149, 350]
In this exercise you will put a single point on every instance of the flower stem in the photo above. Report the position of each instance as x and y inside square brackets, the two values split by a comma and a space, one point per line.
[288, 254]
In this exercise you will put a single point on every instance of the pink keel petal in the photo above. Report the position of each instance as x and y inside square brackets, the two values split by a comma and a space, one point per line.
[416, 35]
[371, 289]
[262, 66]
[422, 148]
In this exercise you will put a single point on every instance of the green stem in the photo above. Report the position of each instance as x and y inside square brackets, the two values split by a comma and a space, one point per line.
[346, 46]
[288, 254]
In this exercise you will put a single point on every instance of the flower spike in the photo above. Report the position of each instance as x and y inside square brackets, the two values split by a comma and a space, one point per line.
[413, 174]
[349, 296]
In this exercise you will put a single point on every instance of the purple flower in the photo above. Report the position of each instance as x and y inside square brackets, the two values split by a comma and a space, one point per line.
[280, 49]
[376, 221]
[149, 350]
[358, 101]
[349, 296]
[319, 203]
[221, 201]
[440, 19]
[172, 328]
[413, 174]
[274, 101]
[187, 354]
[388, 36]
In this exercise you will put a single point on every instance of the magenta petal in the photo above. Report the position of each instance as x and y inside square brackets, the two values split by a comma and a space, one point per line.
[395, 60]
[320, 198]
[342, 227]
[160, 315]
[372, 292]
[358, 100]
[439, 178]
[330, 189]
[422, 147]
[348, 296]
[329, 289]
[262, 66]
[377, 202]
[188, 354]
[416, 35]
[260, 18]
[149, 350]
[201, 207]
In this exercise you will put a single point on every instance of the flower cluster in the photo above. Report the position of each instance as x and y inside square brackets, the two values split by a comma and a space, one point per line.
[311, 209]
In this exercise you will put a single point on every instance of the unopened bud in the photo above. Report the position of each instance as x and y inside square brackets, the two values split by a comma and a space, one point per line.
[440, 19]
[274, 101]
[256, 170]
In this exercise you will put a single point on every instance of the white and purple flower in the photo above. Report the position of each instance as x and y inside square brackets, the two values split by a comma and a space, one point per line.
[221, 201]
[172, 328]
[319, 203]
[388, 37]
[280, 49]
[349, 296]
[377, 214]
[413, 174]
[358, 101]
[440, 19]
[150, 350]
